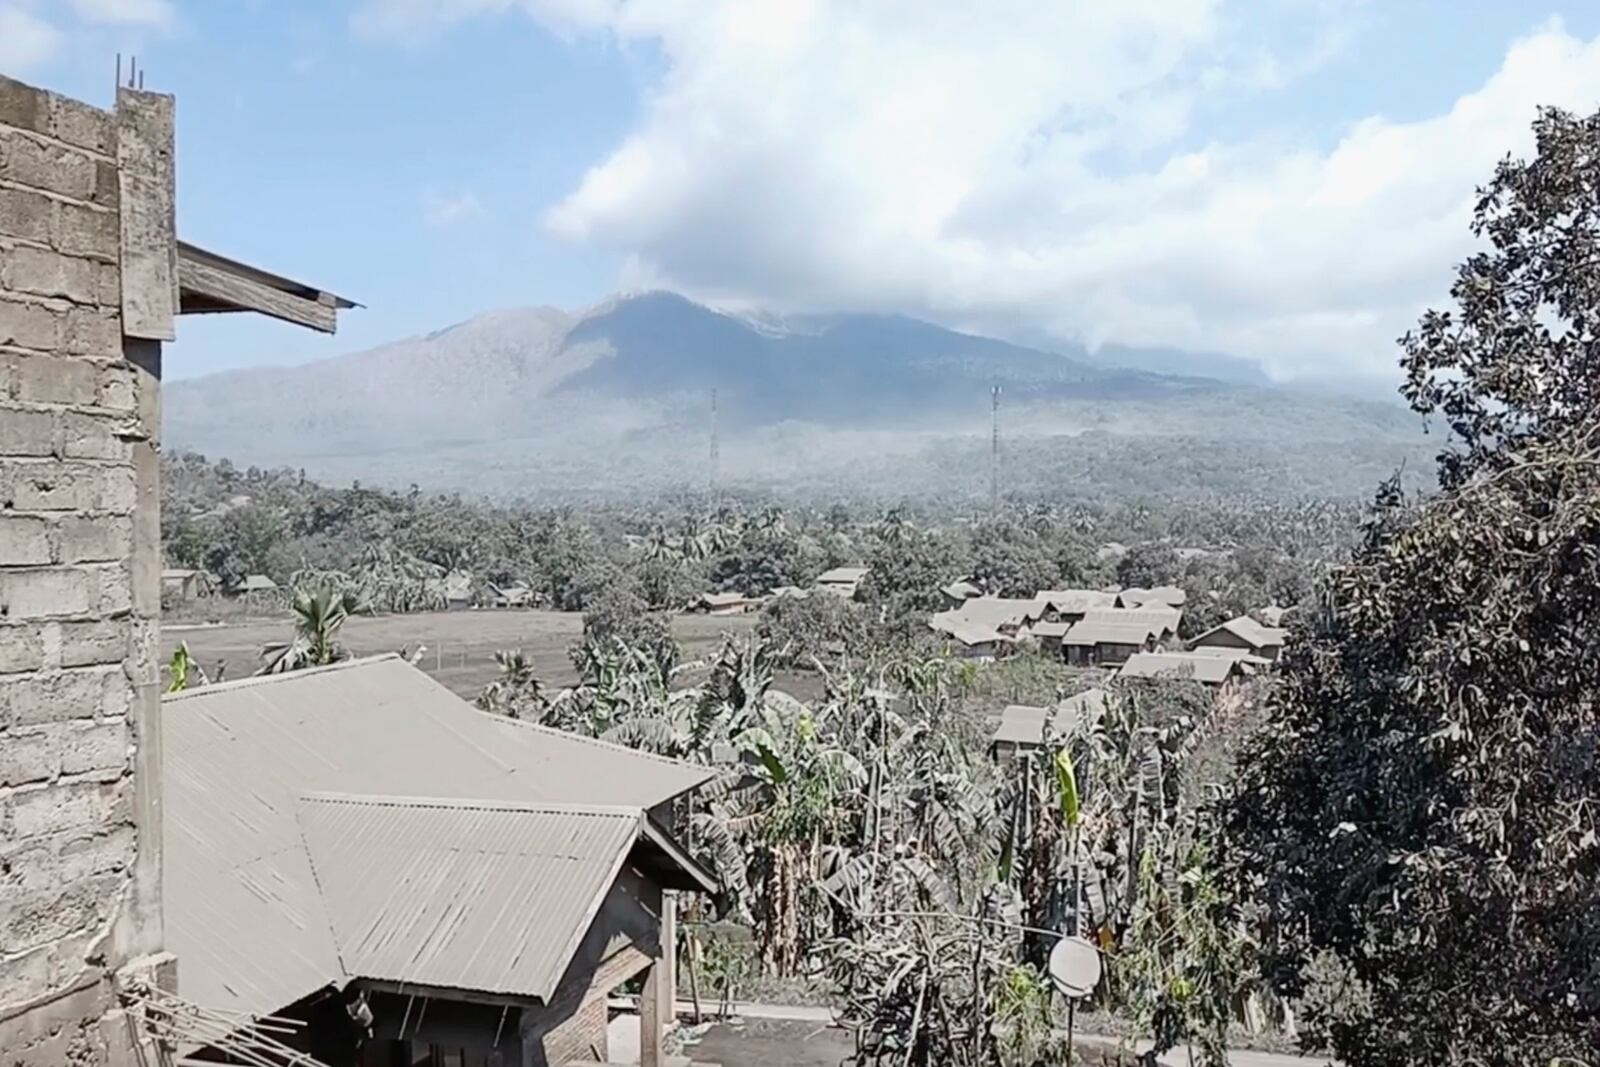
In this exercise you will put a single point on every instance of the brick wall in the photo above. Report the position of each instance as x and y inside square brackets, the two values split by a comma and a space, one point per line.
[78, 630]
[578, 1038]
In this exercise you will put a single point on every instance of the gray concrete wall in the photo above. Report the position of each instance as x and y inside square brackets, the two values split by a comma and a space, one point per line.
[79, 592]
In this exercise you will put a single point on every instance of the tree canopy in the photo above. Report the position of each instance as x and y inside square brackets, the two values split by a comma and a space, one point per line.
[1424, 803]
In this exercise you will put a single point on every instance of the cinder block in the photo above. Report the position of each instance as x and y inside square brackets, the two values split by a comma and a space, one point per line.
[116, 387]
[93, 331]
[116, 589]
[95, 747]
[37, 918]
[85, 231]
[24, 541]
[26, 215]
[94, 540]
[25, 324]
[88, 644]
[26, 433]
[64, 696]
[55, 485]
[82, 125]
[41, 165]
[46, 593]
[25, 269]
[47, 379]
[97, 853]
[29, 756]
[21, 648]
[55, 808]
[85, 436]
[23, 106]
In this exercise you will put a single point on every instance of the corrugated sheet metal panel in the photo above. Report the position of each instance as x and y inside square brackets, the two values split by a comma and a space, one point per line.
[1210, 669]
[461, 895]
[239, 900]
[1022, 724]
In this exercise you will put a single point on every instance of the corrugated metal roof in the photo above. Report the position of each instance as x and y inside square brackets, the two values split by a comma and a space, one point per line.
[1171, 595]
[1075, 601]
[1022, 724]
[240, 902]
[842, 575]
[1211, 670]
[1091, 632]
[995, 612]
[967, 631]
[1118, 622]
[458, 894]
[1247, 629]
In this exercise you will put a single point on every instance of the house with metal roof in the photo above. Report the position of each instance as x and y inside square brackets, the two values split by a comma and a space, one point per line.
[1021, 727]
[1170, 595]
[842, 580]
[1111, 635]
[355, 848]
[1205, 669]
[1070, 605]
[1246, 635]
[725, 604]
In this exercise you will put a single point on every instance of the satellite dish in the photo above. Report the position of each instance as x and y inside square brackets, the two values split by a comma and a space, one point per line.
[1075, 967]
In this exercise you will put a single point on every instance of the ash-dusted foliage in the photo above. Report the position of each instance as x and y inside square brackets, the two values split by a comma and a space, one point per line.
[1423, 808]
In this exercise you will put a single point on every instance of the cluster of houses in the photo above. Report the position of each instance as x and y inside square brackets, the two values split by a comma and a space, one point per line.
[1134, 630]
[178, 583]
[842, 582]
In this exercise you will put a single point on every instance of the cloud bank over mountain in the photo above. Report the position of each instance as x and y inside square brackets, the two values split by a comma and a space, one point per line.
[1125, 173]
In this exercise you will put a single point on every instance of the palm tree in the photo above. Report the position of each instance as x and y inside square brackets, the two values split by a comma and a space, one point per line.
[318, 616]
[517, 693]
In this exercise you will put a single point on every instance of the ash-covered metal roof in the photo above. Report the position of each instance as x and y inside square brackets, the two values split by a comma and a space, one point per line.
[241, 903]
[458, 894]
[1023, 724]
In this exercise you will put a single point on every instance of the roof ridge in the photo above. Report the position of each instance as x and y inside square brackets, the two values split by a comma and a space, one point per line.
[470, 804]
[266, 679]
[609, 745]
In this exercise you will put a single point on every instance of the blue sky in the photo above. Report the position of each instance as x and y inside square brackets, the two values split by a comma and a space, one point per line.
[1283, 179]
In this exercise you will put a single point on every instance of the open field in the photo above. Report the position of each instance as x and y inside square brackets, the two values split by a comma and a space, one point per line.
[460, 645]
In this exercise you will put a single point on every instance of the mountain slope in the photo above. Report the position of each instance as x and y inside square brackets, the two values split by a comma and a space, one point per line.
[542, 396]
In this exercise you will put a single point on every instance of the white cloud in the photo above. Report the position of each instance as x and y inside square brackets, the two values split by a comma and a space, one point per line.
[1037, 166]
[26, 41]
[443, 211]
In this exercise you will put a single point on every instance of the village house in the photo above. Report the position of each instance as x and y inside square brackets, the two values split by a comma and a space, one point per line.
[1110, 635]
[845, 581]
[970, 639]
[1020, 729]
[959, 592]
[1070, 605]
[180, 584]
[1170, 595]
[725, 604]
[1245, 635]
[515, 595]
[1206, 669]
[254, 585]
[482, 885]
[1097, 640]
[92, 280]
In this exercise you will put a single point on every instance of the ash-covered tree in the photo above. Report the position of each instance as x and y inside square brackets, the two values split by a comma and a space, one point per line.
[1150, 564]
[1423, 805]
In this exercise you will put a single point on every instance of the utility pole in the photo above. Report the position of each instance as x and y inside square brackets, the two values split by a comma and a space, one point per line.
[716, 452]
[994, 454]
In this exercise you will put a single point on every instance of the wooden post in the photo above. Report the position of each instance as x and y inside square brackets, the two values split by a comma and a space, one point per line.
[650, 1051]
[667, 987]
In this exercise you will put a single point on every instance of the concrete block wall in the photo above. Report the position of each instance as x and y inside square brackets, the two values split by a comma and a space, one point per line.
[78, 597]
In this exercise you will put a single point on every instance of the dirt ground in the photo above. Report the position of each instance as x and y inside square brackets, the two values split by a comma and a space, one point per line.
[772, 1043]
[459, 645]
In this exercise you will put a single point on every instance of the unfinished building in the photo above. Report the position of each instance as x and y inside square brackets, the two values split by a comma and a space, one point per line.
[92, 277]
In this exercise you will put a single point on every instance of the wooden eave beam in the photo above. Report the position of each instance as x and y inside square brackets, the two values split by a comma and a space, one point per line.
[208, 287]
